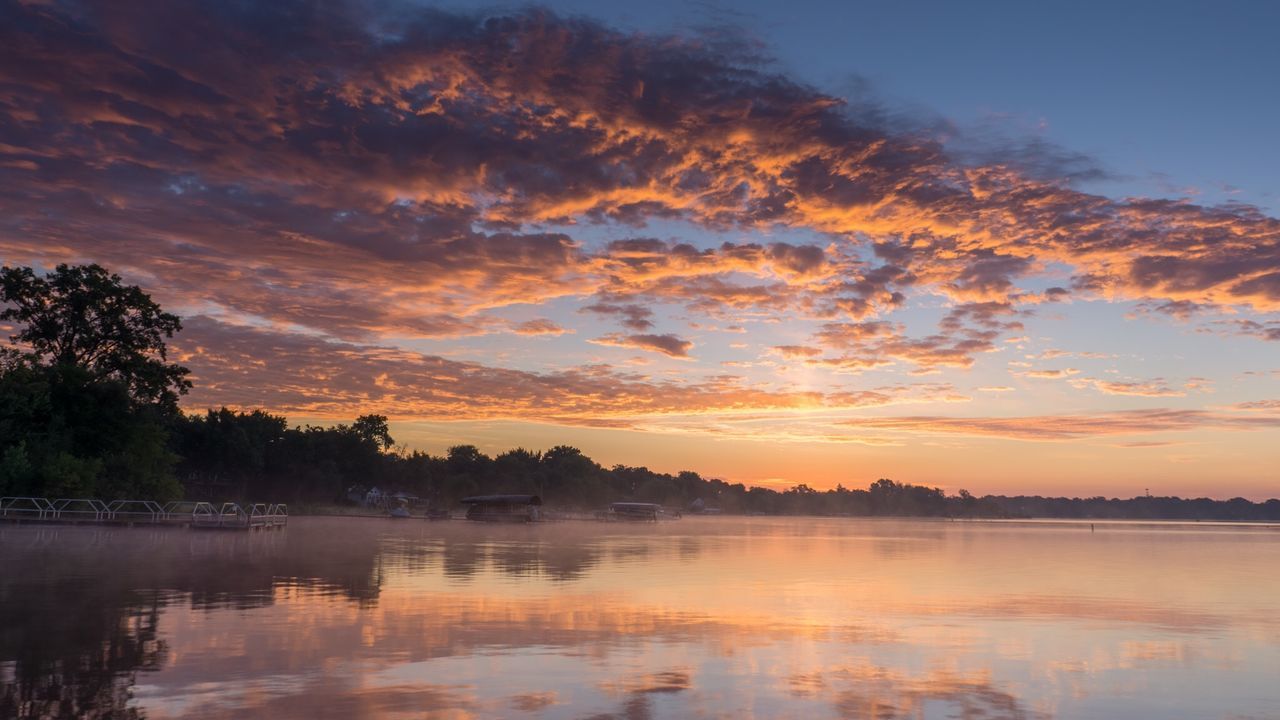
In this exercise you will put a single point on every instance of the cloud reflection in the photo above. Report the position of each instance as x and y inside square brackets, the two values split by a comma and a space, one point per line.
[813, 618]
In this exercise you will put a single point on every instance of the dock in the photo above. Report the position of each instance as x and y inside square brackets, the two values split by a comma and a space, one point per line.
[193, 514]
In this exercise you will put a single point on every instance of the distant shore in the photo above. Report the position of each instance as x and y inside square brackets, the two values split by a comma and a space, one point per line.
[365, 512]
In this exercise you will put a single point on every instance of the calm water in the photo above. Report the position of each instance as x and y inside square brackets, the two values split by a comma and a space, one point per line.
[700, 618]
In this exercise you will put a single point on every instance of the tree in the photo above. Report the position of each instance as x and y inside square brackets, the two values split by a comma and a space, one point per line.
[572, 477]
[65, 434]
[374, 429]
[85, 317]
[226, 453]
[86, 392]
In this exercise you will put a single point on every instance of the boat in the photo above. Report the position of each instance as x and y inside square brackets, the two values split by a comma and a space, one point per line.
[504, 508]
[437, 514]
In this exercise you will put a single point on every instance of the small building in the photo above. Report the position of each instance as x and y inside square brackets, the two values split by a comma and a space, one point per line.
[503, 508]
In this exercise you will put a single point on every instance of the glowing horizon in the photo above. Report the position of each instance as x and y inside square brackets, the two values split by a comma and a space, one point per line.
[523, 228]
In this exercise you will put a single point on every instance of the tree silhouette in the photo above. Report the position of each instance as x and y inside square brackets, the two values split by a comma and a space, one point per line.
[86, 393]
[85, 317]
[374, 429]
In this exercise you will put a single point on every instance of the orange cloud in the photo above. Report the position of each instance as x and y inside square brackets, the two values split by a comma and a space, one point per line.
[797, 351]
[330, 192]
[1141, 388]
[1050, 374]
[311, 377]
[539, 326]
[505, 142]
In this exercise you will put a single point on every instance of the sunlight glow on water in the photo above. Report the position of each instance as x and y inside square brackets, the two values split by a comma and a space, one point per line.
[715, 617]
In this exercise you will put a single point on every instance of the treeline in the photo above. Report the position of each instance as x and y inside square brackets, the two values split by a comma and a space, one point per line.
[230, 454]
[1145, 507]
[242, 455]
[64, 435]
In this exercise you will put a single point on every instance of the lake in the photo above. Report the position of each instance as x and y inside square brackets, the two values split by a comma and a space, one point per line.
[699, 618]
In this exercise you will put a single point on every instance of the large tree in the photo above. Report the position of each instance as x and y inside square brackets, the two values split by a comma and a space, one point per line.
[83, 316]
[87, 395]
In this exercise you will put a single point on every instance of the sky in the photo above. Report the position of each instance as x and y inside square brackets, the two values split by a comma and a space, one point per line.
[1007, 247]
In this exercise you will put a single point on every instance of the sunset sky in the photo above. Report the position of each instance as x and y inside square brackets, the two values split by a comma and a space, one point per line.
[1009, 247]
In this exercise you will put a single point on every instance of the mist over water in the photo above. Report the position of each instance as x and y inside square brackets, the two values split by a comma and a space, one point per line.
[713, 617]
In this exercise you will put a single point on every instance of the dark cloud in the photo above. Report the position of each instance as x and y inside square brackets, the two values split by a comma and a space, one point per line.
[1181, 310]
[632, 317]
[1268, 330]
[669, 345]
[1057, 294]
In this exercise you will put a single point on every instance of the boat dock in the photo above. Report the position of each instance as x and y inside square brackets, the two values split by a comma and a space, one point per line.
[196, 515]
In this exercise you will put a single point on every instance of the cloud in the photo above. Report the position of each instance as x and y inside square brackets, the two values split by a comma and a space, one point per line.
[968, 329]
[796, 351]
[1056, 353]
[668, 345]
[1268, 330]
[1261, 374]
[633, 317]
[846, 336]
[1070, 427]
[1050, 374]
[369, 173]
[297, 374]
[1154, 387]
[1142, 388]
[1260, 405]
[400, 145]
[307, 376]
[1180, 310]
[538, 326]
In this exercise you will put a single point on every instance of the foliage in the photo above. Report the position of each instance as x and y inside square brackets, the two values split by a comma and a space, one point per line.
[82, 316]
[86, 394]
[64, 433]
[374, 428]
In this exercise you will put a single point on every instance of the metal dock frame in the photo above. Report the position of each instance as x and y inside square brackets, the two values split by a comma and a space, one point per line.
[229, 516]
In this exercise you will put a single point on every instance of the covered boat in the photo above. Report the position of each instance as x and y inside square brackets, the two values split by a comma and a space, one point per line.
[647, 512]
[503, 508]
[399, 510]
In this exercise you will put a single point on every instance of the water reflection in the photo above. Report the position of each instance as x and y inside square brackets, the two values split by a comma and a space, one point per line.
[709, 618]
[84, 664]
